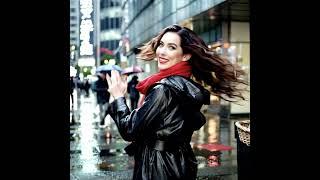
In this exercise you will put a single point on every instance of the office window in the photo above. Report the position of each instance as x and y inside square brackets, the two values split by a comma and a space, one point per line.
[111, 45]
[117, 44]
[117, 25]
[103, 4]
[102, 25]
[114, 3]
[109, 3]
[103, 44]
[111, 23]
[107, 21]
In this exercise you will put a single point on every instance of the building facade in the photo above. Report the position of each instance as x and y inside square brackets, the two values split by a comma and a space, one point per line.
[223, 25]
[74, 32]
[110, 28]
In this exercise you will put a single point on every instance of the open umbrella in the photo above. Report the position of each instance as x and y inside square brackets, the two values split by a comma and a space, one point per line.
[108, 67]
[132, 70]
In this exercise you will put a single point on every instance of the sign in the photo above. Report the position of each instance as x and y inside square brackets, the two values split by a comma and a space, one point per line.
[86, 26]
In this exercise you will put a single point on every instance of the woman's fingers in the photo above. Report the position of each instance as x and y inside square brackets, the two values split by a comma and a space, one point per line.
[117, 86]
[108, 80]
[124, 80]
[118, 78]
[115, 78]
[112, 77]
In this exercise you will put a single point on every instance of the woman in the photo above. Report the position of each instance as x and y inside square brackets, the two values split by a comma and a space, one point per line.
[162, 127]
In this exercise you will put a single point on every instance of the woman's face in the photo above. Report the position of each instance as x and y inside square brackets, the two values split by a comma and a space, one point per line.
[169, 51]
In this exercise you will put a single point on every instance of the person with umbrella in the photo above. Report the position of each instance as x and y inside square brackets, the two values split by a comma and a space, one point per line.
[72, 87]
[132, 70]
[101, 88]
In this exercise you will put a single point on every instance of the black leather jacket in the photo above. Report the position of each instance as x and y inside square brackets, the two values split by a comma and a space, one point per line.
[161, 129]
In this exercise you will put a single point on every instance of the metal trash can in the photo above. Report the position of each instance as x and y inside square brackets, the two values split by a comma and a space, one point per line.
[242, 133]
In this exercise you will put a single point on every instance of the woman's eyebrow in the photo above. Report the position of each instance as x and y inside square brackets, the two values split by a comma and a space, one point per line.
[169, 43]
[172, 44]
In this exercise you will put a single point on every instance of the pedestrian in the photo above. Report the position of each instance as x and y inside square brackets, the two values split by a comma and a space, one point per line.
[72, 86]
[86, 87]
[161, 129]
[133, 92]
[101, 88]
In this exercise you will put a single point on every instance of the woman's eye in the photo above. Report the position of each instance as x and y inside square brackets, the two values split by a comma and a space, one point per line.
[161, 45]
[171, 48]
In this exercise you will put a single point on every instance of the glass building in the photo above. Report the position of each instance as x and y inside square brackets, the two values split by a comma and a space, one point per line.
[74, 31]
[223, 25]
[110, 24]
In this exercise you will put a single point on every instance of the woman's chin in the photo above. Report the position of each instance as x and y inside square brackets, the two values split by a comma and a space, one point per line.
[162, 67]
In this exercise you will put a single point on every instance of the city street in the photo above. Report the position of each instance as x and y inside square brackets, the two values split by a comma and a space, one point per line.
[207, 41]
[98, 152]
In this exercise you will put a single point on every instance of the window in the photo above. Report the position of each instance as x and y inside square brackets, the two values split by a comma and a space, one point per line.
[107, 23]
[109, 3]
[117, 25]
[111, 23]
[112, 44]
[114, 3]
[103, 4]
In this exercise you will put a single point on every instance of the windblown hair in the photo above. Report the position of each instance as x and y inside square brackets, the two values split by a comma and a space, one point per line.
[217, 74]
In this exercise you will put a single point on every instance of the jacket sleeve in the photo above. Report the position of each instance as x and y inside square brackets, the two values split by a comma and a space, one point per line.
[143, 121]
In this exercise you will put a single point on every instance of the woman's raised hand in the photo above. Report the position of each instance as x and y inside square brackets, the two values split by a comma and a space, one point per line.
[117, 85]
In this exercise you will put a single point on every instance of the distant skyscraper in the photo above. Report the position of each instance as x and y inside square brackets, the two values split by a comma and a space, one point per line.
[110, 25]
[74, 31]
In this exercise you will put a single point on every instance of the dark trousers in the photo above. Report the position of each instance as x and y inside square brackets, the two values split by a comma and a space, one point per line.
[133, 103]
[103, 107]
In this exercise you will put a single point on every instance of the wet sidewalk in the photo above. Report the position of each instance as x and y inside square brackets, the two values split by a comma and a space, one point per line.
[98, 152]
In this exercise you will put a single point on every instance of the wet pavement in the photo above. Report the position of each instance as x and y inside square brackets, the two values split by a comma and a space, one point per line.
[98, 152]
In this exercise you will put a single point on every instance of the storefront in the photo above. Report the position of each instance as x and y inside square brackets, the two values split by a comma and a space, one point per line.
[225, 28]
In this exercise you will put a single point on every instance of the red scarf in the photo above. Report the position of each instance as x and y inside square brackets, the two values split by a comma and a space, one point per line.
[182, 68]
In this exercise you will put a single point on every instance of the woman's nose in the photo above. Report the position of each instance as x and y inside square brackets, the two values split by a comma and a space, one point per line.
[162, 51]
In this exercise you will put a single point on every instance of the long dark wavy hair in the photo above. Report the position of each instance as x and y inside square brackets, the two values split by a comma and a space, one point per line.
[215, 73]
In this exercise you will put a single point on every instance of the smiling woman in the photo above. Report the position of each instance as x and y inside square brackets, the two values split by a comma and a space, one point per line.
[169, 51]
[161, 129]
[208, 68]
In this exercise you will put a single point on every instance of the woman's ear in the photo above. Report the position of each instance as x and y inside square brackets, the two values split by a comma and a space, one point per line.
[186, 57]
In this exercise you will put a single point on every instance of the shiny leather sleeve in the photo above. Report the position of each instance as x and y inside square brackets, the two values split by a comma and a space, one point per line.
[143, 121]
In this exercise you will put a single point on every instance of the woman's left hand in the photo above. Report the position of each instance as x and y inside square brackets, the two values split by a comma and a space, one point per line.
[117, 85]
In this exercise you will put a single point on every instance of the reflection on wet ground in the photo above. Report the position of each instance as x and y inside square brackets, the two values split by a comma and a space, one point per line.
[98, 153]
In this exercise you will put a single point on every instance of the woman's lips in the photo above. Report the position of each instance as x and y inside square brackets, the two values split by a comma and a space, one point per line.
[162, 60]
